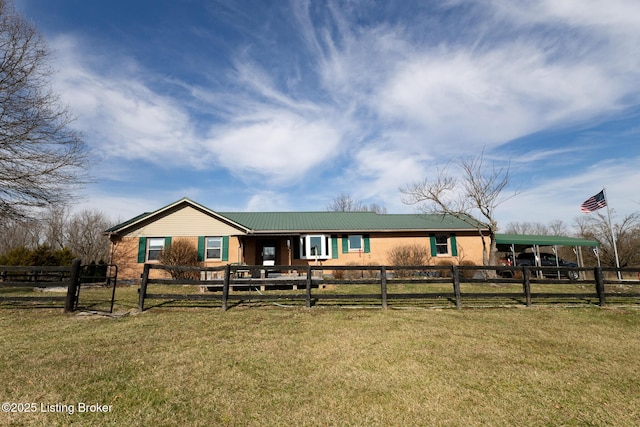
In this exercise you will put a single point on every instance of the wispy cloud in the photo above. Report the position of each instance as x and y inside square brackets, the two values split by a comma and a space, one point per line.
[122, 115]
[377, 101]
[560, 197]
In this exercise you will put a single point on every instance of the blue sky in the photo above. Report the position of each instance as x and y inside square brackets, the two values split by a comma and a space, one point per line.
[281, 105]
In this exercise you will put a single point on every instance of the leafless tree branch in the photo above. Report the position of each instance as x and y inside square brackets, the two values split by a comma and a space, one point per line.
[472, 195]
[42, 159]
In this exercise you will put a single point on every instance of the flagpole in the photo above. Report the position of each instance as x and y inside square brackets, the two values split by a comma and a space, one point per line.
[613, 236]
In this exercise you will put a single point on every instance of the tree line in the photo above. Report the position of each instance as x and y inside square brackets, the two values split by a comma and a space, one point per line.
[55, 237]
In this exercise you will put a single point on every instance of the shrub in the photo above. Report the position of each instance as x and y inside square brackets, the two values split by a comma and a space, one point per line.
[43, 255]
[468, 274]
[338, 274]
[446, 272]
[358, 274]
[181, 253]
[408, 255]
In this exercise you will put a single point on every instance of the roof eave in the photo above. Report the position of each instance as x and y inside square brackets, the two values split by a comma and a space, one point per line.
[360, 231]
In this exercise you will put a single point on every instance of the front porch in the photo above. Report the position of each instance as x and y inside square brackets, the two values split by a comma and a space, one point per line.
[289, 249]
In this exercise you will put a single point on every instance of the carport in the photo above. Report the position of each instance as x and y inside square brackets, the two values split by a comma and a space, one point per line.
[516, 243]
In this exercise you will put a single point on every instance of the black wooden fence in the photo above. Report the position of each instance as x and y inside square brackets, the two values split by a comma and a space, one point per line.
[467, 284]
[46, 277]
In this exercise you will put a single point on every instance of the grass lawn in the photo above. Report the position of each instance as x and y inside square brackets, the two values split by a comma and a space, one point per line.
[268, 365]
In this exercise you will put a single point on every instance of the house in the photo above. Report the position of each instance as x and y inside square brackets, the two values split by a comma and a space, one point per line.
[288, 238]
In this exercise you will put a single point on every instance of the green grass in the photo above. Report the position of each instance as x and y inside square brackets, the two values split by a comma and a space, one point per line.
[268, 365]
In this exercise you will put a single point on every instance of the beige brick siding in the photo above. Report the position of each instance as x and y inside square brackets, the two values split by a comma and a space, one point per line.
[125, 256]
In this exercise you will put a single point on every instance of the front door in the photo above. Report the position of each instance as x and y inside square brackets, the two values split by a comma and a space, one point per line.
[267, 252]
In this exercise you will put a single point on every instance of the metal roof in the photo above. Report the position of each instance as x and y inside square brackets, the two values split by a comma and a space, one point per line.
[296, 222]
[530, 240]
[262, 222]
[127, 223]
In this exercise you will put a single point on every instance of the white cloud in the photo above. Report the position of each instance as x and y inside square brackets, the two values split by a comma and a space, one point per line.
[121, 115]
[489, 98]
[118, 208]
[618, 16]
[278, 146]
[379, 171]
[546, 200]
[267, 201]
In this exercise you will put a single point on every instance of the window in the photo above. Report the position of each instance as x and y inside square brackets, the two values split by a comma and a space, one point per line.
[214, 248]
[360, 243]
[355, 242]
[442, 244]
[315, 246]
[155, 245]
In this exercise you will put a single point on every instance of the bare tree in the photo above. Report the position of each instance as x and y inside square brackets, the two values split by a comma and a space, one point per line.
[344, 202]
[554, 228]
[376, 208]
[55, 221]
[627, 235]
[557, 227]
[85, 236]
[19, 233]
[41, 158]
[472, 197]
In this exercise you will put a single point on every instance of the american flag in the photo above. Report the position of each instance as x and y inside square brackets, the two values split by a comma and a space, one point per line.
[594, 203]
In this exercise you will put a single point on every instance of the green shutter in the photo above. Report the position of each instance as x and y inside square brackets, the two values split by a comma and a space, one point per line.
[142, 249]
[432, 242]
[225, 248]
[201, 246]
[334, 247]
[367, 244]
[296, 247]
[345, 244]
[167, 242]
[454, 245]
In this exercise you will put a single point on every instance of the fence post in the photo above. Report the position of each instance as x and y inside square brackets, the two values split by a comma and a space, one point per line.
[74, 282]
[225, 286]
[308, 288]
[455, 274]
[115, 281]
[526, 285]
[383, 285]
[599, 276]
[143, 287]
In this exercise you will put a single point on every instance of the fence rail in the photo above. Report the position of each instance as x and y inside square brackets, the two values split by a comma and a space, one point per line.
[42, 277]
[46, 277]
[466, 284]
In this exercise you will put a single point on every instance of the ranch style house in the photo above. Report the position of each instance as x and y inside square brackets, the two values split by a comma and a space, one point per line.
[288, 238]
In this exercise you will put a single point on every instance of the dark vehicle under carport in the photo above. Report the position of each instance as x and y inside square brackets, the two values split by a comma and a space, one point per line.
[525, 250]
